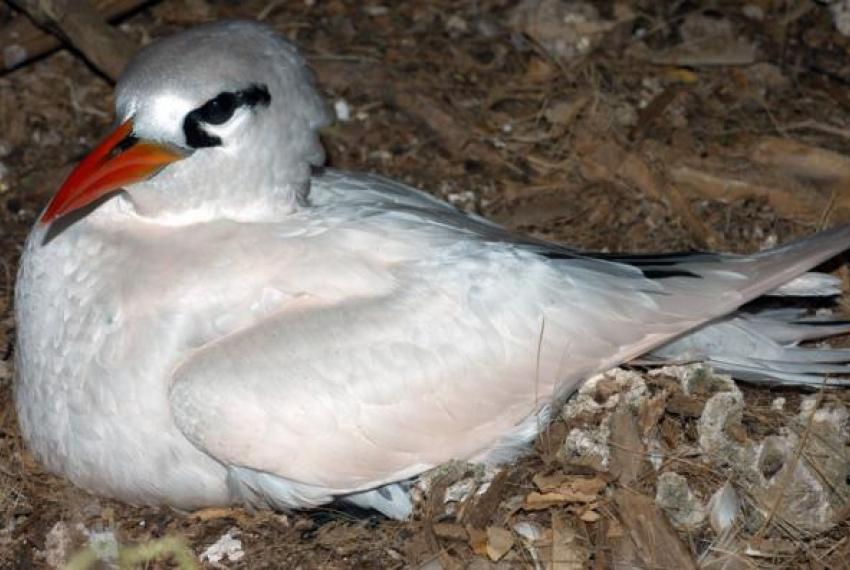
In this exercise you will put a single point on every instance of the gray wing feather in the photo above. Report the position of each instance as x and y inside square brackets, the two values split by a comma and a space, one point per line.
[477, 331]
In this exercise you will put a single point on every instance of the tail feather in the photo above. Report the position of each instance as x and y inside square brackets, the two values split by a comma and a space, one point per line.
[792, 326]
[756, 374]
[391, 500]
[763, 348]
[692, 296]
[781, 265]
[811, 284]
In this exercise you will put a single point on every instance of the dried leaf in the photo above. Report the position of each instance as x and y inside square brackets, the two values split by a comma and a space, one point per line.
[627, 449]
[735, 52]
[499, 542]
[789, 200]
[568, 551]
[651, 410]
[451, 531]
[564, 112]
[708, 41]
[536, 501]
[652, 113]
[568, 484]
[480, 507]
[803, 161]
[477, 540]
[657, 543]
[681, 75]
[684, 405]
[615, 530]
[539, 70]
[770, 547]
[608, 161]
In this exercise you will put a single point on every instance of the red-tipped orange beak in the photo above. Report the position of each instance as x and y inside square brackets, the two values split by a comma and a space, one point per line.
[119, 160]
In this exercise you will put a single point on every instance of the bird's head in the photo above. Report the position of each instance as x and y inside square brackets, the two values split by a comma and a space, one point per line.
[217, 121]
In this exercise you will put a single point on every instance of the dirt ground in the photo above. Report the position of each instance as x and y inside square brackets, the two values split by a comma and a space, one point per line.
[633, 126]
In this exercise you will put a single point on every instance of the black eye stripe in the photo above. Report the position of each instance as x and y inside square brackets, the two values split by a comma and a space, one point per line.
[255, 95]
[196, 136]
[218, 111]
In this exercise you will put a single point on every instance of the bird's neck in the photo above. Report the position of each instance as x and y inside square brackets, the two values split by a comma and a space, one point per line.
[245, 199]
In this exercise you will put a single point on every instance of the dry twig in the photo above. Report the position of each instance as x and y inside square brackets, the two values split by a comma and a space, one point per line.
[80, 24]
[22, 41]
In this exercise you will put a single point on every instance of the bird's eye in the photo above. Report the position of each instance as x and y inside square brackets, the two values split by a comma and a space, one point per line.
[218, 110]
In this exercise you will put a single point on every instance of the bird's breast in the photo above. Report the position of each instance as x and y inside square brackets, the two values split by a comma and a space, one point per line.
[103, 319]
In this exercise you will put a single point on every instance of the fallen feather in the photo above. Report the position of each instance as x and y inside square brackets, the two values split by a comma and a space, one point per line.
[533, 536]
[529, 531]
[723, 507]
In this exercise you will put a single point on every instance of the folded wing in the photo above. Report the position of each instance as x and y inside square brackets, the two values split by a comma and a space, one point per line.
[478, 335]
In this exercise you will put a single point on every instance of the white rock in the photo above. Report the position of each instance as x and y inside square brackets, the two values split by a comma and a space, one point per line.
[457, 24]
[753, 12]
[14, 55]
[461, 490]
[841, 16]
[589, 447]
[683, 507]
[808, 404]
[564, 29]
[104, 544]
[620, 383]
[58, 545]
[769, 242]
[376, 10]
[721, 410]
[701, 379]
[4, 175]
[227, 548]
[342, 110]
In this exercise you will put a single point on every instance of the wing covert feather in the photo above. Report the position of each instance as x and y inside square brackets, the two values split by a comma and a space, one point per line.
[370, 391]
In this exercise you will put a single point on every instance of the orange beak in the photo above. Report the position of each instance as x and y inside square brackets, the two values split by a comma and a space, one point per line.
[119, 160]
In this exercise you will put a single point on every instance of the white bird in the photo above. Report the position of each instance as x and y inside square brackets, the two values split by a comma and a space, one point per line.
[239, 325]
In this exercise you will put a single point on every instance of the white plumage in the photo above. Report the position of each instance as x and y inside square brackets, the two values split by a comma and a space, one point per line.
[241, 327]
